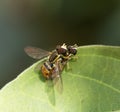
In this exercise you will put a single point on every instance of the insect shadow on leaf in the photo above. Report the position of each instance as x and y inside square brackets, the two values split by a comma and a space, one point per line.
[49, 85]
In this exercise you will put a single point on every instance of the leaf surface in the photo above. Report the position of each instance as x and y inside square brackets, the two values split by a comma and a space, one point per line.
[92, 84]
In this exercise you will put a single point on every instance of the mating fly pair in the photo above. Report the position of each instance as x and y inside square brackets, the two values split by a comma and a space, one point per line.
[54, 64]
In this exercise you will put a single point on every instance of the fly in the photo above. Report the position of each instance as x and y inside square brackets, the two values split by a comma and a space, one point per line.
[57, 59]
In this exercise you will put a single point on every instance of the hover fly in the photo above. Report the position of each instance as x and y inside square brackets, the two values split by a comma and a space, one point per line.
[57, 59]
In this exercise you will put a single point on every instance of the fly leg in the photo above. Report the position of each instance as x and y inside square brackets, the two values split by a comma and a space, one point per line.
[74, 58]
[68, 68]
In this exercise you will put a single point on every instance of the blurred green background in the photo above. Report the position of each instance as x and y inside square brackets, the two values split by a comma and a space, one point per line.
[46, 23]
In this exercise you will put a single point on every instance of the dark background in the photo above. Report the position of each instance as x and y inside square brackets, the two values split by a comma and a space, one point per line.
[46, 23]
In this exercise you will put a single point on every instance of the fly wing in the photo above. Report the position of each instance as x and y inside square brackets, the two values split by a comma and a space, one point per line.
[50, 91]
[58, 84]
[57, 80]
[36, 53]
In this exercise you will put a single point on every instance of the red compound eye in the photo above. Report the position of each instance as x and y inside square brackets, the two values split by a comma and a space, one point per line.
[61, 50]
[72, 50]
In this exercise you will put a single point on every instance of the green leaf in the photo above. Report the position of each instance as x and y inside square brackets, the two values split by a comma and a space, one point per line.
[91, 85]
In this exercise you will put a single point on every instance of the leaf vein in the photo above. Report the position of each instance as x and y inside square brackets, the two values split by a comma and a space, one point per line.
[97, 81]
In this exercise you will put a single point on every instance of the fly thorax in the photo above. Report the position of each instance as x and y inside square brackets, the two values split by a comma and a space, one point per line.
[53, 57]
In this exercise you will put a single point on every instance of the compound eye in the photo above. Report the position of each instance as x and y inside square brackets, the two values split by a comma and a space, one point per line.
[61, 50]
[72, 50]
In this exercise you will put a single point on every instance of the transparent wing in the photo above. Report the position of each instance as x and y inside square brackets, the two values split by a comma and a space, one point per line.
[57, 80]
[50, 91]
[36, 53]
[58, 84]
